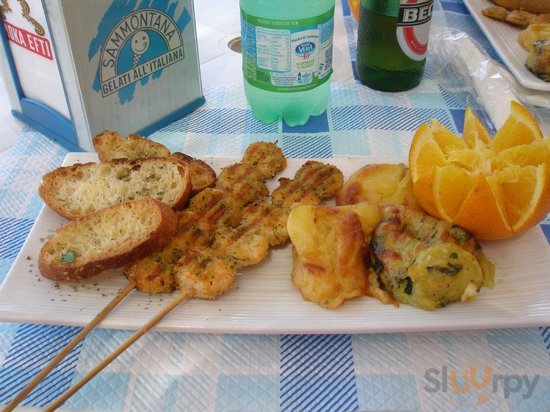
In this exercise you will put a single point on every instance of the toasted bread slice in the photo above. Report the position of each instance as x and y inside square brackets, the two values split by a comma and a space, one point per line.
[202, 175]
[74, 191]
[107, 239]
[110, 145]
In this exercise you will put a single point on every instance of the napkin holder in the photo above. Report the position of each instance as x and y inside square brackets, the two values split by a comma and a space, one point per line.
[76, 67]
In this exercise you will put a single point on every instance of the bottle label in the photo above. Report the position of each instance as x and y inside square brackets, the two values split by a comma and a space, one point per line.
[413, 27]
[287, 55]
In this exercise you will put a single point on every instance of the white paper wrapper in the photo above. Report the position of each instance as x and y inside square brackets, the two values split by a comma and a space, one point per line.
[457, 56]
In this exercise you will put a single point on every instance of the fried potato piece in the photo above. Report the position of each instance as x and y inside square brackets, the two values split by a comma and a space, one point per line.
[328, 254]
[381, 184]
[426, 262]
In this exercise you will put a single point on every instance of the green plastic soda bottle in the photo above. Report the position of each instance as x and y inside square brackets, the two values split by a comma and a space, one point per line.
[287, 57]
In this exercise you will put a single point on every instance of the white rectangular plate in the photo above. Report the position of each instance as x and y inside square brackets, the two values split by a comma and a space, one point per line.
[504, 38]
[264, 300]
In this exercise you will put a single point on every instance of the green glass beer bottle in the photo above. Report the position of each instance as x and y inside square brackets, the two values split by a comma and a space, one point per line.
[392, 42]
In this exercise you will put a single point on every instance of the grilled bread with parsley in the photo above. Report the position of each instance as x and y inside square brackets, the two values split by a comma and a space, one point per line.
[426, 262]
[110, 145]
[202, 175]
[106, 239]
[75, 191]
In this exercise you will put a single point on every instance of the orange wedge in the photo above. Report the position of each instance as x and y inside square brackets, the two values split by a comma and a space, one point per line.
[451, 185]
[425, 151]
[520, 128]
[495, 188]
[474, 133]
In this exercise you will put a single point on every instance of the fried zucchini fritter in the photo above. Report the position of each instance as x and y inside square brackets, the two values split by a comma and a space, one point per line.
[426, 262]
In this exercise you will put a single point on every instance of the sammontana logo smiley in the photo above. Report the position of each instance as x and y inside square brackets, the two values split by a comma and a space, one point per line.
[139, 45]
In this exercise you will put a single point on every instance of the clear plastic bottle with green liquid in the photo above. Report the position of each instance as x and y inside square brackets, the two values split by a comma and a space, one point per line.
[287, 57]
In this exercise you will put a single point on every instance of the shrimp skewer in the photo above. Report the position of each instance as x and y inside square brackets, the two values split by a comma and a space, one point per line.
[222, 206]
[210, 272]
[212, 208]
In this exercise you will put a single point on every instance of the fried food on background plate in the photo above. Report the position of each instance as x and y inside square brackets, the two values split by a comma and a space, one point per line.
[495, 13]
[533, 33]
[330, 244]
[532, 6]
[536, 40]
[538, 59]
[519, 18]
[523, 18]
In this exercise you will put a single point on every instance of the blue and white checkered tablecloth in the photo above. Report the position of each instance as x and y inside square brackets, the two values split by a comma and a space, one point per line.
[483, 370]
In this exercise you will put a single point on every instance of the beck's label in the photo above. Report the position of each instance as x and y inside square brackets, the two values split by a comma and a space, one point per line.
[413, 27]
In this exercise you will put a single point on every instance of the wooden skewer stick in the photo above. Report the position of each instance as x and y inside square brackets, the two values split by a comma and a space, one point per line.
[72, 344]
[125, 345]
